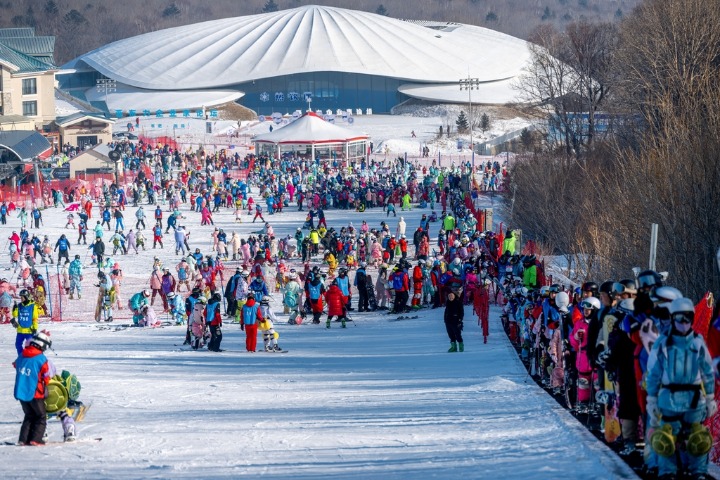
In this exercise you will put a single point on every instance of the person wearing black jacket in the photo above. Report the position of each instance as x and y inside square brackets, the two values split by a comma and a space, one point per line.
[230, 294]
[361, 286]
[454, 315]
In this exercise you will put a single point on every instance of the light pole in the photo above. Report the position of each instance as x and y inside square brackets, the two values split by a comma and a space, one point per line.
[106, 85]
[470, 84]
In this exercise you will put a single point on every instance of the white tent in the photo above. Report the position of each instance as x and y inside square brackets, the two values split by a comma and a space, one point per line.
[313, 134]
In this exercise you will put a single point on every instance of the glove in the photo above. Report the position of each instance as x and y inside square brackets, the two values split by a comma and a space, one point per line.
[653, 412]
[34, 331]
[14, 323]
[711, 407]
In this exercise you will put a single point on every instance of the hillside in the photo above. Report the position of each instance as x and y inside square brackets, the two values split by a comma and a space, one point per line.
[80, 25]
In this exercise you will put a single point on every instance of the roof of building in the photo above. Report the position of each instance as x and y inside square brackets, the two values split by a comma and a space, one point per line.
[79, 116]
[311, 38]
[26, 144]
[10, 119]
[310, 129]
[17, 32]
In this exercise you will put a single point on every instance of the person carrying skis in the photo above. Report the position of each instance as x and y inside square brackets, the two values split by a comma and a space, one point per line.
[680, 388]
[24, 319]
[75, 271]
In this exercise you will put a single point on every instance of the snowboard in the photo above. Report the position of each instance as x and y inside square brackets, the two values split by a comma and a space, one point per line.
[612, 423]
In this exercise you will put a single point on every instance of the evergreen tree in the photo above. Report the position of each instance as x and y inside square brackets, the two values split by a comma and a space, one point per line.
[484, 122]
[462, 122]
[381, 10]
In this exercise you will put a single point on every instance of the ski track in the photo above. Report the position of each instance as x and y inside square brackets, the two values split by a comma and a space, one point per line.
[375, 400]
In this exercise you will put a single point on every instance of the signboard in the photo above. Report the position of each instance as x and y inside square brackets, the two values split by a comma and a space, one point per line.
[62, 173]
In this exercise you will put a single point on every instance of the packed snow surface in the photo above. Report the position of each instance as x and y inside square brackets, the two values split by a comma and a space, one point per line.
[379, 399]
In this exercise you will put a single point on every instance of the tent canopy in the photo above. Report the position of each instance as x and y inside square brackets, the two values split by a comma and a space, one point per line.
[310, 129]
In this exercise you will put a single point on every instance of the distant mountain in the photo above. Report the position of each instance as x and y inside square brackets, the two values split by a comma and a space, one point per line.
[83, 25]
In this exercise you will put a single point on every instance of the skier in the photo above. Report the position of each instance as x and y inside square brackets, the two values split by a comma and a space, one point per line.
[177, 308]
[267, 327]
[454, 315]
[214, 321]
[196, 322]
[314, 290]
[157, 235]
[250, 315]
[343, 282]
[75, 271]
[136, 303]
[680, 388]
[360, 283]
[33, 374]
[63, 245]
[292, 293]
[336, 304]
[140, 215]
[24, 319]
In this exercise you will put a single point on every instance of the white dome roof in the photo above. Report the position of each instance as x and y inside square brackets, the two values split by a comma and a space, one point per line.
[311, 38]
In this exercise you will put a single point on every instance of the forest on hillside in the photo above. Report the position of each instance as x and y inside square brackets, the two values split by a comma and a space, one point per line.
[83, 25]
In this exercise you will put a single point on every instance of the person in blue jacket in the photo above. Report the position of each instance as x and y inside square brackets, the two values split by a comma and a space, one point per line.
[33, 372]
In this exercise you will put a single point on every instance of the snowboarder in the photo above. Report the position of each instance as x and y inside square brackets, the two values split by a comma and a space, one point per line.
[267, 327]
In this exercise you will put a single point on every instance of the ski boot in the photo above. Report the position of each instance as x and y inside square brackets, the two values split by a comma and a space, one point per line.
[461, 347]
[327, 324]
[68, 425]
[268, 348]
[343, 323]
[453, 347]
[277, 348]
[79, 296]
[71, 296]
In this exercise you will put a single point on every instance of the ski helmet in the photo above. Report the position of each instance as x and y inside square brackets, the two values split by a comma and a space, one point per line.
[202, 300]
[146, 293]
[591, 303]
[630, 286]
[590, 287]
[648, 280]
[627, 306]
[25, 294]
[41, 340]
[170, 295]
[562, 300]
[664, 295]
[606, 288]
[648, 334]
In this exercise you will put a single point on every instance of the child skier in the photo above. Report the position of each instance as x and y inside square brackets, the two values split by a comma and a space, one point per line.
[176, 304]
[196, 323]
[266, 326]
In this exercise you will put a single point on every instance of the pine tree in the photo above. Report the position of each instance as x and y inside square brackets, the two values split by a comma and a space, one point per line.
[484, 122]
[381, 10]
[526, 138]
[462, 123]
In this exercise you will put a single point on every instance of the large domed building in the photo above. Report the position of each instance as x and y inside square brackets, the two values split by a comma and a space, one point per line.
[273, 62]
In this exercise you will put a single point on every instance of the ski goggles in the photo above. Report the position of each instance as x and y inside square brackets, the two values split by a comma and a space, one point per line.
[681, 318]
[586, 305]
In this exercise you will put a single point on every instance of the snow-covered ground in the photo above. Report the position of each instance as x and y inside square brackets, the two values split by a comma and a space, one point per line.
[379, 399]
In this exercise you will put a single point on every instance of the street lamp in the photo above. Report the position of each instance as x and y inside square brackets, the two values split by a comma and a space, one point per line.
[106, 85]
[470, 84]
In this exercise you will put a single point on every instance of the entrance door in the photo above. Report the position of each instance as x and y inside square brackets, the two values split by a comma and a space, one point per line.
[87, 141]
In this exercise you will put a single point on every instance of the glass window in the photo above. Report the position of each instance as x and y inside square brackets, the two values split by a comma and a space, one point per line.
[29, 109]
[29, 86]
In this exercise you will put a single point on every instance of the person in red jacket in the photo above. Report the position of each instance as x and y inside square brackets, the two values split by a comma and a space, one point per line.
[417, 277]
[33, 372]
[403, 246]
[336, 304]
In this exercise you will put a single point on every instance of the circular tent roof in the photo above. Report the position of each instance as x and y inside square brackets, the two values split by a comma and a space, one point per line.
[231, 51]
[308, 130]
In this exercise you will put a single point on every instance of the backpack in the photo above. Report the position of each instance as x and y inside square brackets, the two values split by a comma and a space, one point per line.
[397, 282]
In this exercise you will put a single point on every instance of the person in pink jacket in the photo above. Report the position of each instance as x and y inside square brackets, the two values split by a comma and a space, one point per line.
[206, 216]
[578, 340]
[156, 284]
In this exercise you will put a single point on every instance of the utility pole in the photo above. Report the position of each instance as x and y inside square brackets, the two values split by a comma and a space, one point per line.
[470, 84]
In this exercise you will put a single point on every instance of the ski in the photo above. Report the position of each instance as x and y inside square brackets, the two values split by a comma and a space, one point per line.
[272, 351]
[79, 413]
[57, 442]
[404, 317]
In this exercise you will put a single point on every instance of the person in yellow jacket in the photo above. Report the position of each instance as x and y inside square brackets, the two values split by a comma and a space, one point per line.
[332, 263]
[25, 319]
[509, 243]
[315, 241]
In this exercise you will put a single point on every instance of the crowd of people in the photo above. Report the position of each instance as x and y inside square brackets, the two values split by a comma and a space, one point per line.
[629, 347]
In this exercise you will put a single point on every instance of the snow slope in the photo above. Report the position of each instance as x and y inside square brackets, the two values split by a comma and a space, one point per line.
[379, 399]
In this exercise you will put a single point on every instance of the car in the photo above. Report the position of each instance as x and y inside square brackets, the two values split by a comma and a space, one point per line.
[120, 135]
